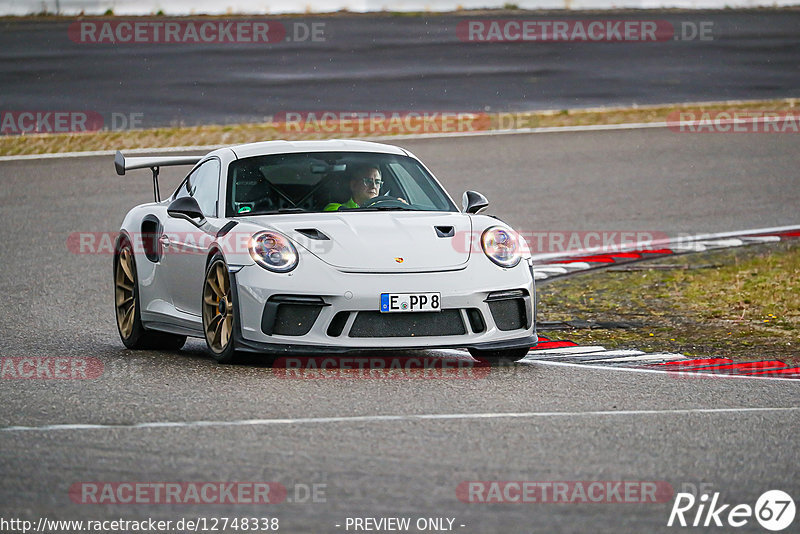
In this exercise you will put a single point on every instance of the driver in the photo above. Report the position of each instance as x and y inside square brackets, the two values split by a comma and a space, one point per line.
[365, 183]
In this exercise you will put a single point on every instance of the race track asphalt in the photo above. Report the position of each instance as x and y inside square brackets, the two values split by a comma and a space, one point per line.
[397, 63]
[57, 303]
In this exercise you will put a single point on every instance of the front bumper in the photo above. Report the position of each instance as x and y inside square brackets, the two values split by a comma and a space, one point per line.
[345, 294]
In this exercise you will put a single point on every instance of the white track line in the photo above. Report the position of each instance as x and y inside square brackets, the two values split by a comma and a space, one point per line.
[549, 269]
[569, 351]
[484, 133]
[724, 243]
[688, 242]
[393, 418]
[574, 266]
[614, 354]
[643, 357]
[543, 269]
[675, 373]
[762, 239]
[208, 148]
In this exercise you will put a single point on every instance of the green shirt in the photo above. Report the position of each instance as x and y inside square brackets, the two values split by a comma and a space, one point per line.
[333, 206]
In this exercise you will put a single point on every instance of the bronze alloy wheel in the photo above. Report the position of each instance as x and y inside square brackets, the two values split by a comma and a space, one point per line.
[124, 283]
[218, 307]
[126, 304]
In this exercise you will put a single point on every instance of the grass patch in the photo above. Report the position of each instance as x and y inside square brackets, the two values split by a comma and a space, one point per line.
[748, 308]
[247, 133]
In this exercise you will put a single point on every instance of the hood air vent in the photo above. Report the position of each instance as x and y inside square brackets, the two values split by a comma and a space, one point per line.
[445, 231]
[313, 233]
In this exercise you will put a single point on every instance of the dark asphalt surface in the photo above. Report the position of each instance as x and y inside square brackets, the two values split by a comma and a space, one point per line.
[56, 303]
[396, 63]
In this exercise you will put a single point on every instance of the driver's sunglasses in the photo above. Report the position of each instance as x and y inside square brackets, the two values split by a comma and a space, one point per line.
[369, 181]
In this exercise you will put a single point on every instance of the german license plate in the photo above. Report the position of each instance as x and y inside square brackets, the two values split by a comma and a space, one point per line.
[410, 302]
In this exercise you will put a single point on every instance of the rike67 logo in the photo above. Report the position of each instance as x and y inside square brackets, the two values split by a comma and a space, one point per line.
[774, 510]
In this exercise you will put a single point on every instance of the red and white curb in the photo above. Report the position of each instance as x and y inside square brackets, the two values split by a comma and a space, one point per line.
[558, 264]
[549, 352]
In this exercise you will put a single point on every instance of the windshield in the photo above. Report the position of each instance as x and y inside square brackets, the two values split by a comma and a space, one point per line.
[331, 182]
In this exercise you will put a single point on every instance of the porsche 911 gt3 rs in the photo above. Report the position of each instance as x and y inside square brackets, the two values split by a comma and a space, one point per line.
[275, 248]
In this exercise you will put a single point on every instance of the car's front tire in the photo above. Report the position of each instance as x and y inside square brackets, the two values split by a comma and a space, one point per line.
[126, 299]
[219, 315]
[499, 357]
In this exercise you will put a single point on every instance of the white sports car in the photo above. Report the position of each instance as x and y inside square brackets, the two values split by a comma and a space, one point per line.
[318, 247]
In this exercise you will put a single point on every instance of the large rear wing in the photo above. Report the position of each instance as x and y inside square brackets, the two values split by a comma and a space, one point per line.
[123, 164]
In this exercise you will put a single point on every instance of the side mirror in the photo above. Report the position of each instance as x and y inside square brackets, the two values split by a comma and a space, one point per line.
[186, 208]
[473, 202]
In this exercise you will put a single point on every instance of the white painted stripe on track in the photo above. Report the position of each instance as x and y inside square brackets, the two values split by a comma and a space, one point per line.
[575, 266]
[208, 148]
[683, 243]
[686, 247]
[762, 239]
[567, 351]
[726, 243]
[643, 357]
[549, 269]
[482, 133]
[676, 372]
[614, 354]
[395, 418]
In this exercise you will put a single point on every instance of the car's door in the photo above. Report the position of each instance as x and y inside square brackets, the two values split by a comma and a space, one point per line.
[186, 241]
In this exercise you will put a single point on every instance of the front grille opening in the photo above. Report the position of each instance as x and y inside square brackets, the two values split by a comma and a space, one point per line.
[294, 320]
[337, 324]
[288, 315]
[508, 314]
[417, 324]
[510, 309]
[476, 322]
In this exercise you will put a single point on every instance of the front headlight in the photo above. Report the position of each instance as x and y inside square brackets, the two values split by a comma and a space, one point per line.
[501, 246]
[273, 251]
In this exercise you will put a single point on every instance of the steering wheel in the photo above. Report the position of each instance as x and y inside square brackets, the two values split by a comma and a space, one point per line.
[383, 200]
